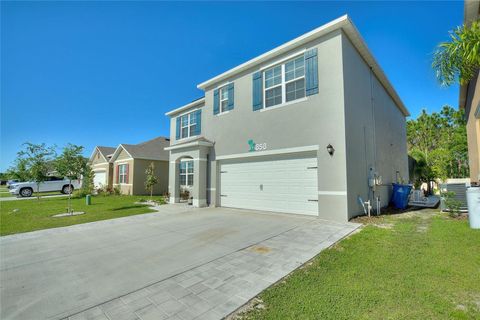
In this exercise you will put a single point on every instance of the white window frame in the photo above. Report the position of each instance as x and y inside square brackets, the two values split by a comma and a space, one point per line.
[220, 100]
[188, 126]
[283, 84]
[122, 176]
[187, 174]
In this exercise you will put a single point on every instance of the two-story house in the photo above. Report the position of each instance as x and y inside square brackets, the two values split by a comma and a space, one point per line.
[309, 127]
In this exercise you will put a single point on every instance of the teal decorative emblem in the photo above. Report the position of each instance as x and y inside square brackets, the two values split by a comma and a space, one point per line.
[256, 146]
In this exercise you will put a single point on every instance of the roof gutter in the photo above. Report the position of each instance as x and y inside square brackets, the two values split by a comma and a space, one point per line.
[185, 107]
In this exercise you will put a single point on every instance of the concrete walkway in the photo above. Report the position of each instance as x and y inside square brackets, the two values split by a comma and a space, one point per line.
[178, 264]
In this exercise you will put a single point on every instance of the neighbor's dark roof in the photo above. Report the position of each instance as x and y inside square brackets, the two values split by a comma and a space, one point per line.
[151, 149]
[105, 151]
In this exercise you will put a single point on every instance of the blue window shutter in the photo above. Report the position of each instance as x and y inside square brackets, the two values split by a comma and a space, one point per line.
[198, 116]
[257, 91]
[177, 135]
[216, 102]
[230, 96]
[311, 72]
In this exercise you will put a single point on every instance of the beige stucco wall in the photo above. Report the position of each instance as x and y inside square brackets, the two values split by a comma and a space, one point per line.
[161, 171]
[473, 129]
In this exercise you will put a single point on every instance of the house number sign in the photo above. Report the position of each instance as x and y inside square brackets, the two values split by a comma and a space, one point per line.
[256, 146]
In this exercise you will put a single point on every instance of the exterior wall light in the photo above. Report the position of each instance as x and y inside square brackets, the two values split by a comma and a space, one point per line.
[330, 149]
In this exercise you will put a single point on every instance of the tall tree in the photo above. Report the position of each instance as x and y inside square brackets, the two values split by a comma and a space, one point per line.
[71, 164]
[458, 60]
[438, 143]
[37, 159]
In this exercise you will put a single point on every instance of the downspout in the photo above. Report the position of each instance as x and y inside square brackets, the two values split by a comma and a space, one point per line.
[374, 141]
[373, 120]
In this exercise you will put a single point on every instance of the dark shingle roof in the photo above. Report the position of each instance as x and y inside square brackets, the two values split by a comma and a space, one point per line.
[105, 151]
[151, 149]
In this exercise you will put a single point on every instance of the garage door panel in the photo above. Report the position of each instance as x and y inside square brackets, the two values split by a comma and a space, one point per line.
[99, 179]
[283, 185]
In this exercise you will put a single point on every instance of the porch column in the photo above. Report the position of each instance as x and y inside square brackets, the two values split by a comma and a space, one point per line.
[200, 181]
[173, 182]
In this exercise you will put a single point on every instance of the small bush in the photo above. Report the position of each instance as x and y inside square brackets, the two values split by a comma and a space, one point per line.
[184, 194]
[117, 191]
[451, 204]
[108, 191]
[80, 193]
[166, 197]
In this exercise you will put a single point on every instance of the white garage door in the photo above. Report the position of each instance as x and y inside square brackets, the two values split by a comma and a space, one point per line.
[274, 184]
[99, 179]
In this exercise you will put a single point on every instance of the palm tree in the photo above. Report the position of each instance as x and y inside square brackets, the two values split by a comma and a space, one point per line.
[458, 60]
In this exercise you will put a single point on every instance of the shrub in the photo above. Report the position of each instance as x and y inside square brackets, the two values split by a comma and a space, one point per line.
[117, 191]
[451, 204]
[184, 194]
[80, 193]
[104, 191]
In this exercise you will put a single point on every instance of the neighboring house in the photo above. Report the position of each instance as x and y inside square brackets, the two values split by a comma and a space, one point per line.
[101, 166]
[131, 160]
[470, 101]
[304, 128]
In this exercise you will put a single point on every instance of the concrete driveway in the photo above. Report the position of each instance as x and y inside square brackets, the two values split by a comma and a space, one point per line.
[172, 264]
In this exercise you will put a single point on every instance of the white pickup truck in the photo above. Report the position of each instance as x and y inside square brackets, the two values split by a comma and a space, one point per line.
[26, 189]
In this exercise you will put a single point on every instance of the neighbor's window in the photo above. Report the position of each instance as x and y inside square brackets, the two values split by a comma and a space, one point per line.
[223, 99]
[188, 125]
[285, 82]
[186, 173]
[122, 173]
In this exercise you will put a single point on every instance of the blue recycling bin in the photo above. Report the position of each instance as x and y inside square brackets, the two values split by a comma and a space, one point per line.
[400, 195]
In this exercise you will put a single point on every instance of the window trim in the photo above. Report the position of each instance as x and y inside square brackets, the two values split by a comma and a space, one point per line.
[283, 60]
[277, 106]
[283, 83]
[188, 126]
[186, 174]
[220, 100]
[124, 174]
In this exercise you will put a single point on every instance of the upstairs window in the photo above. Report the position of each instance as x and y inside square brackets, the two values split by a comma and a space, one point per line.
[223, 99]
[285, 82]
[188, 125]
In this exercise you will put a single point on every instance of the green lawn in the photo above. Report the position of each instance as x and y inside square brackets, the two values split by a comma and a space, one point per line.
[28, 215]
[421, 265]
